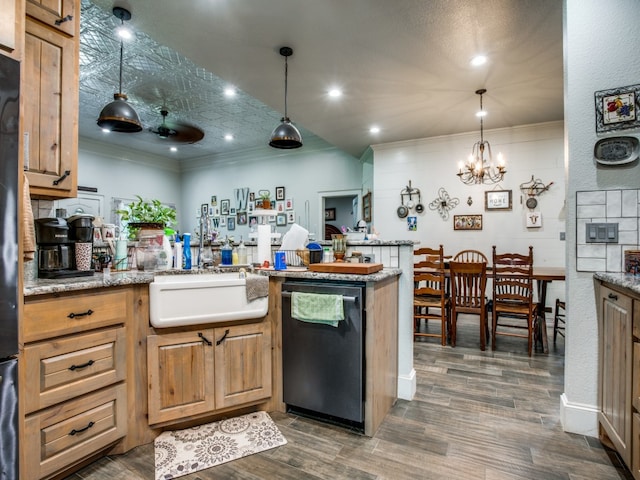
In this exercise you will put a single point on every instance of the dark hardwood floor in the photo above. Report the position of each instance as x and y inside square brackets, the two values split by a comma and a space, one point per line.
[476, 415]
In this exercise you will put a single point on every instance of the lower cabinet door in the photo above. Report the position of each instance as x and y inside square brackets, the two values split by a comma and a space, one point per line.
[243, 364]
[180, 370]
[60, 436]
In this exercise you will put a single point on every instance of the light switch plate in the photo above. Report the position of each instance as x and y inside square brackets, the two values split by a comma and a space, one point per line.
[601, 233]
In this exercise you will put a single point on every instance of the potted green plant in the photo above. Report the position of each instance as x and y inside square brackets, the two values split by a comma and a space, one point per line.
[265, 196]
[147, 214]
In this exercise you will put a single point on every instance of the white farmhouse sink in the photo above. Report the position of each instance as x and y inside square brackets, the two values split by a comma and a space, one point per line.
[176, 300]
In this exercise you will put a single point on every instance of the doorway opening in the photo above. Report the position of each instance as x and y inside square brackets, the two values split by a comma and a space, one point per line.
[339, 209]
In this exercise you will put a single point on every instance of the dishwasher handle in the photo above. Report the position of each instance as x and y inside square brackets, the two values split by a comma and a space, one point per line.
[344, 298]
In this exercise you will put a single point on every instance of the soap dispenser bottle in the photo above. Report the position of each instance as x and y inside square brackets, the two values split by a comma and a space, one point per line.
[227, 258]
[242, 253]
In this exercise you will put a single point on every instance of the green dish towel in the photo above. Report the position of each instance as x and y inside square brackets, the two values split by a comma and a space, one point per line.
[317, 308]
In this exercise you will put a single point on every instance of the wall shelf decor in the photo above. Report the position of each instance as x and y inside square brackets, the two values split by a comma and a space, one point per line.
[366, 207]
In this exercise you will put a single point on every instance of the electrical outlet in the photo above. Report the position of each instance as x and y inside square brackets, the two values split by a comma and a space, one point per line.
[562, 236]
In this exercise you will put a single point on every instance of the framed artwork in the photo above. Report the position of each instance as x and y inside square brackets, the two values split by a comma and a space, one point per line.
[214, 200]
[412, 224]
[232, 211]
[366, 207]
[252, 196]
[291, 216]
[242, 218]
[258, 203]
[617, 108]
[224, 207]
[272, 218]
[498, 200]
[288, 204]
[231, 223]
[223, 222]
[467, 222]
[280, 206]
[534, 219]
[329, 213]
[279, 193]
[281, 219]
[251, 206]
[253, 221]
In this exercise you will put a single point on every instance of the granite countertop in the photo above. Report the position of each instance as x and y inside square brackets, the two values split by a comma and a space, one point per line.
[624, 280]
[41, 286]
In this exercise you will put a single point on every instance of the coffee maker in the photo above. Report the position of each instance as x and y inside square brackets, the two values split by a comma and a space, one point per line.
[56, 249]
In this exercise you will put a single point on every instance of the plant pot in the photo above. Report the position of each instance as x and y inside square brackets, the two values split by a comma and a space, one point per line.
[266, 204]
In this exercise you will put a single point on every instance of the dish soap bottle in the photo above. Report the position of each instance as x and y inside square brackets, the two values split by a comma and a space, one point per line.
[186, 253]
[227, 258]
[242, 253]
[234, 256]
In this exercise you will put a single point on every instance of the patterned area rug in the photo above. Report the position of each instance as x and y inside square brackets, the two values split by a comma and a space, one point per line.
[193, 449]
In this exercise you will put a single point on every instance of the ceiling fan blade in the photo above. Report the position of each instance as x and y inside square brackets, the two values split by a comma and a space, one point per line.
[185, 133]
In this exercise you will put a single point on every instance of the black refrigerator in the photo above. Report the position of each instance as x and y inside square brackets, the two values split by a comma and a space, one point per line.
[9, 137]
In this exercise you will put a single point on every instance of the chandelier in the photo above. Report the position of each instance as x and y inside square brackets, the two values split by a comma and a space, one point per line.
[478, 168]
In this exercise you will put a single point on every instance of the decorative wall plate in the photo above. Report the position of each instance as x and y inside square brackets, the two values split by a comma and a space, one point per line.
[616, 150]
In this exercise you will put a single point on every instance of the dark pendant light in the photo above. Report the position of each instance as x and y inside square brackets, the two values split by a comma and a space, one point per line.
[286, 135]
[119, 116]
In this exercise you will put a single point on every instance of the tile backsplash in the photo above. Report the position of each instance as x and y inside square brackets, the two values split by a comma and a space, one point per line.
[606, 206]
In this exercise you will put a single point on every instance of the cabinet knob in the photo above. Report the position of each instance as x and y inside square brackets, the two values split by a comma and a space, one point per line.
[613, 296]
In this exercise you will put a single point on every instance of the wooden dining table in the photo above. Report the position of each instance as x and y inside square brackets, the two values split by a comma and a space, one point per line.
[543, 276]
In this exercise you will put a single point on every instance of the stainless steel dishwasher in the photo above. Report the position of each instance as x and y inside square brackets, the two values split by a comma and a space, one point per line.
[323, 366]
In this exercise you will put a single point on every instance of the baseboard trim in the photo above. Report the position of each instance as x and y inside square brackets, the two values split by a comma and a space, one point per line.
[407, 385]
[578, 418]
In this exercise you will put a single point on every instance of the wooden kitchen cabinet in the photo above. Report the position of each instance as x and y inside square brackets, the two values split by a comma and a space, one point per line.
[50, 102]
[204, 370]
[11, 27]
[73, 374]
[619, 373]
[61, 15]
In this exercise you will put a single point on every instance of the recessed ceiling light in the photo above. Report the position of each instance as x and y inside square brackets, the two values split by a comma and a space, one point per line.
[374, 129]
[478, 60]
[335, 92]
[105, 130]
[230, 92]
[481, 113]
[228, 137]
[174, 149]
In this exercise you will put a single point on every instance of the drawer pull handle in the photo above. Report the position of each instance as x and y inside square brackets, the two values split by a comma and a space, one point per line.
[613, 296]
[205, 339]
[65, 175]
[84, 365]
[68, 18]
[226, 332]
[74, 431]
[84, 314]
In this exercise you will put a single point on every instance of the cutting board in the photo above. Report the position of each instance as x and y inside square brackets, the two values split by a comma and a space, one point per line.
[346, 267]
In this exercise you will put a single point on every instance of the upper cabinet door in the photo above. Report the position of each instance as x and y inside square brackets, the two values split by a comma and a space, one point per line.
[11, 25]
[59, 14]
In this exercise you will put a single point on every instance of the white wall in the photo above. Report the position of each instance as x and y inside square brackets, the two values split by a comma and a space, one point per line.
[317, 167]
[120, 173]
[601, 52]
[432, 163]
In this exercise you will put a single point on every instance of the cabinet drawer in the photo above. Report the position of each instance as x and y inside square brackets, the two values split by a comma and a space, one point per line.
[72, 366]
[52, 317]
[60, 436]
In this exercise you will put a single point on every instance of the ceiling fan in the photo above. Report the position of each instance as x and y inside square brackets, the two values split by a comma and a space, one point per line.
[177, 132]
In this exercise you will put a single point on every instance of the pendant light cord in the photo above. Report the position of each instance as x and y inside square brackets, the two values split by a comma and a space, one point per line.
[286, 76]
[121, 49]
[481, 121]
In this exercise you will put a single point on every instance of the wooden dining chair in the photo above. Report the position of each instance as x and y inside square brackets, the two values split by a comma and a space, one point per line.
[468, 283]
[513, 306]
[430, 298]
[470, 256]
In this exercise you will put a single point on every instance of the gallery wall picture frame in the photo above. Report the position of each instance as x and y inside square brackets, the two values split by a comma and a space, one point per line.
[498, 200]
[291, 216]
[214, 200]
[241, 218]
[231, 223]
[288, 204]
[366, 207]
[330, 214]
[280, 206]
[467, 222]
[279, 193]
[281, 219]
[617, 108]
[224, 206]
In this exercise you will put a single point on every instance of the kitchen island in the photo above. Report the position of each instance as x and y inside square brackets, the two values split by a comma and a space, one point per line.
[102, 323]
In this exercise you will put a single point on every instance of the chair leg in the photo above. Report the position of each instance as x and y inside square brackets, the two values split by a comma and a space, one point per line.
[493, 330]
[483, 329]
[454, 319]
